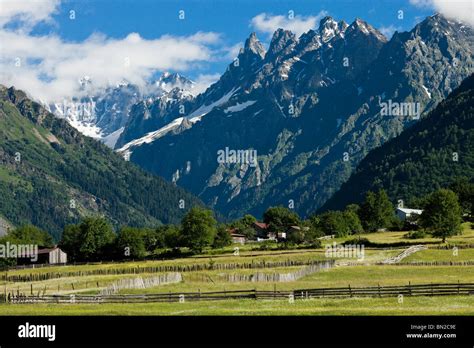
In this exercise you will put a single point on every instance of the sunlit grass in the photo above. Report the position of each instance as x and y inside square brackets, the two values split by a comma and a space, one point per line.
[367, 273]
[448, 305]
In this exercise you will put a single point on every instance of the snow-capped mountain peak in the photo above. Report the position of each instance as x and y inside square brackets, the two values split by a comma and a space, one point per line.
[254, 45]
[168, 81]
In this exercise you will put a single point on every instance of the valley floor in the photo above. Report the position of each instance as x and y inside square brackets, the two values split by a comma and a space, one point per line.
[433, 265]
[462, 305]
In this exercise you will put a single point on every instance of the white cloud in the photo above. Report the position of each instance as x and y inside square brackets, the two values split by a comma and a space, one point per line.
[388, 31]
[421, 3]
[50, 68]
[462, 10]
[298, 24]
[29, 12]
[203, 81]
[230, 53]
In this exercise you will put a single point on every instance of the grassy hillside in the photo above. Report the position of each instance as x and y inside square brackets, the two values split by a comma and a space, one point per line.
[51, 175]
[430, 155]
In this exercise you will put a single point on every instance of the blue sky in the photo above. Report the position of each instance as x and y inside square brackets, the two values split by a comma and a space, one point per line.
[45, 52]
[152, 19]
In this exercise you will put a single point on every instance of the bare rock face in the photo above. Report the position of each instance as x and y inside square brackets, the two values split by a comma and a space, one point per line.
[310, 107]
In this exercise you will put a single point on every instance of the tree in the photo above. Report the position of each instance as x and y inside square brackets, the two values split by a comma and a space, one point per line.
[167, 236]
[198, 229]
[172, 237]
[353, 208]
[333, 222]
[245, 226]
[352, 221]
[5, 261]
[71, 242]
[280, 218]
[248, 232]
[314, 232]
[442, 214]
[376, 211]
[96, 238]
[465, 192]
[90, 240]
[29, 234]
[151, 239]
[223, 237]
[248, 220]
[296, 237]
[131, 243]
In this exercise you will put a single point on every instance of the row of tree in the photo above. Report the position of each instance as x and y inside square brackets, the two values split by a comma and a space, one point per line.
[443, 212]
[94, 237]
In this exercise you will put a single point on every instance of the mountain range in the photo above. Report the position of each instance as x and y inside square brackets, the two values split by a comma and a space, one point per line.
[428, 156]
[311, 107]
[52, 175]
[311, 122]
[105, 114]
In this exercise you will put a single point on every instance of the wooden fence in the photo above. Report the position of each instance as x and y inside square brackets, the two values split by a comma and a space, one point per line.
[390, 291]
[141, 283]
[435, 263]
[278, 277]
[449, 289]
[451, 246]
[31, 277]
[405, 253]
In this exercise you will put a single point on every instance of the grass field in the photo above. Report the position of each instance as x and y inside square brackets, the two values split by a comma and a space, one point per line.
[458, 255]
[365, 273]
[354, 306]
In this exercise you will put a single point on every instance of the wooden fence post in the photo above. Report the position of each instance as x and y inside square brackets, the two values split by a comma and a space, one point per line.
[350, 290]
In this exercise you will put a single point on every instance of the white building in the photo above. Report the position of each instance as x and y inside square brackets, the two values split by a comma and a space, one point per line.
[405, 213]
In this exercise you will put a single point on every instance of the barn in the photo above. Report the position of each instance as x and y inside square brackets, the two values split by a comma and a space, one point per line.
[52, 256]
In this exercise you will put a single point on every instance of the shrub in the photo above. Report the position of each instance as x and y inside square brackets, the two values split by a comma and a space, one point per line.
[416, 234]
[222, 238]
[266, 245]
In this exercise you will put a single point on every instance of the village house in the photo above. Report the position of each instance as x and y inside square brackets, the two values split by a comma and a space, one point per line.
[405, 213]
[290, 230]
[237, 237]
[262, 232]
[261, 229]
